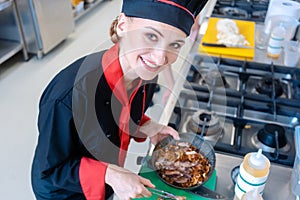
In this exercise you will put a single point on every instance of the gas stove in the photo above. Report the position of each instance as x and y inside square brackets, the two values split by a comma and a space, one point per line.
[251, 10]
[241, 106]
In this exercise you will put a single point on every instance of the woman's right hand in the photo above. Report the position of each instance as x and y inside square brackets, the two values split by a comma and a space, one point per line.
[126, 184]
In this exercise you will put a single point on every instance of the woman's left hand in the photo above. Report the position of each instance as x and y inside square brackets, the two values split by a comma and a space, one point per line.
[157, 132]
[165, 131]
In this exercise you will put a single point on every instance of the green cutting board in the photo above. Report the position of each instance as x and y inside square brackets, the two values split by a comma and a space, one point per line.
[159, 184]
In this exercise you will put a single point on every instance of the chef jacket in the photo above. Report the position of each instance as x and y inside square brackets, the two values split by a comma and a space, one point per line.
[79, 116]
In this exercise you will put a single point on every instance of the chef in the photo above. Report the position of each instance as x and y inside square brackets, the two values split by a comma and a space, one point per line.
[91, 110]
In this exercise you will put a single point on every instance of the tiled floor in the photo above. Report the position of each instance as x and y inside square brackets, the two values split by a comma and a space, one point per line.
[21, 84]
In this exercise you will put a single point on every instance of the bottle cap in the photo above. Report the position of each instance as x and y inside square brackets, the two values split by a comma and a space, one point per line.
[257, 160]
[252, 195]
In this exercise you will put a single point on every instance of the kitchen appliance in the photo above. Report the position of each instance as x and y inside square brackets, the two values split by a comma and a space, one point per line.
[254, 10]
[44, 24]
[249, 106]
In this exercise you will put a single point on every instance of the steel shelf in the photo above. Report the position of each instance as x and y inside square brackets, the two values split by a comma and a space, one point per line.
[5, 4]
[8, 49]
[87, 7]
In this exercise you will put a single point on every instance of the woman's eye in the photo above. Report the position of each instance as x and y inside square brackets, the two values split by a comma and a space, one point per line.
[152, 37]
[176, 45]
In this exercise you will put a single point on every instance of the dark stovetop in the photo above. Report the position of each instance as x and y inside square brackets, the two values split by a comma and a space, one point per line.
[251, 10]
[241, 110]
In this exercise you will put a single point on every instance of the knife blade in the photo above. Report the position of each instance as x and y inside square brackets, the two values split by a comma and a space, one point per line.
[162, 193]
[226, 46]
[207, 193]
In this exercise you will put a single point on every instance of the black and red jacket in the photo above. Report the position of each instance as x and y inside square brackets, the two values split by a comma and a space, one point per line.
[79, 131]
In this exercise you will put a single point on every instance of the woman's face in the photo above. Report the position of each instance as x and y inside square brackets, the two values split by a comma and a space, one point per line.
[147, 47]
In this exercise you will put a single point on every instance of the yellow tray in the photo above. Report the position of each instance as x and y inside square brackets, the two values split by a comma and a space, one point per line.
[246, 28]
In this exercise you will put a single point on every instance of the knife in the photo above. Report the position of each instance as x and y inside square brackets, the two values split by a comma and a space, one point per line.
[162, 193]
[207, 193]
[227, 46]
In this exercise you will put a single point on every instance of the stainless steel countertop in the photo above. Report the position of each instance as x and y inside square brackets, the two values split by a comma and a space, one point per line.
[277, 186]
[278, 183]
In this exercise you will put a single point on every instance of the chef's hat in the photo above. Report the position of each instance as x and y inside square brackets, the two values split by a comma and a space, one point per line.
[177, 13]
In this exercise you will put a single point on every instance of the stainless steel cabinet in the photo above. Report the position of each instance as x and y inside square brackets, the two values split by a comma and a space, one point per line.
[36, 26]
[12, 38]
[52, 22]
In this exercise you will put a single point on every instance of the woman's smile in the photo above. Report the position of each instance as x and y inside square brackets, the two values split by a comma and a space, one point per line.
[150, 66]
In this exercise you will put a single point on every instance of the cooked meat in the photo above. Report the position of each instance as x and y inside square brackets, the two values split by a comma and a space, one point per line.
[182, 164]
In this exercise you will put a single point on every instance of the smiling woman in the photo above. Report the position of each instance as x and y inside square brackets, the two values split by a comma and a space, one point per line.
[147, 47]
[91, 109]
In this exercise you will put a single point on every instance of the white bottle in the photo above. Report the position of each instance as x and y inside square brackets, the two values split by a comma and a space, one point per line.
[276, 41]
[252, 195]
[253, 174]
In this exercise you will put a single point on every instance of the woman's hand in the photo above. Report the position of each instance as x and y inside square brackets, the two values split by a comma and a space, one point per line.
[157, 132]
[126, 184]
[165, 131]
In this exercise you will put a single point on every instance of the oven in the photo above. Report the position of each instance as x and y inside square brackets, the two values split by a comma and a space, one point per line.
[241, 106]
[251, 10]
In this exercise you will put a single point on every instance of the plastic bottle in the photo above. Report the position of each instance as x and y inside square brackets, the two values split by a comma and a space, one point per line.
[276, 41]
[252, 195]
[253, 174]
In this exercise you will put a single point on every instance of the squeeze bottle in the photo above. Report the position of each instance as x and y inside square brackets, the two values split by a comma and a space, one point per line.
[253, 174]
[276, 41]
[252, 195]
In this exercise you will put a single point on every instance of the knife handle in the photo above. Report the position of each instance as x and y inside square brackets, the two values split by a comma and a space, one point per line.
[213, 44]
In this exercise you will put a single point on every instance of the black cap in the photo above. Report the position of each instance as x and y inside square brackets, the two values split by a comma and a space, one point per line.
[180, 14]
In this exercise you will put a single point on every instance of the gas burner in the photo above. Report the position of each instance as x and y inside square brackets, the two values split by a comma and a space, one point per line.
[266, 138]
[261, 2]
[265, 86]
[259, 14]
[214, 78]
[212, 126]
[234, 12]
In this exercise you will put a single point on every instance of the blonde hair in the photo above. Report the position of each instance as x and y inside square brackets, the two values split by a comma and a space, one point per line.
[113, 31]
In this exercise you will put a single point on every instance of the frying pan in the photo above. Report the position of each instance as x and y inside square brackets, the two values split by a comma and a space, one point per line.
[204, 147]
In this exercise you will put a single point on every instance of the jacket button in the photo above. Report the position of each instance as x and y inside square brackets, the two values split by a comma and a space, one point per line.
[107, 102]
[108, 135]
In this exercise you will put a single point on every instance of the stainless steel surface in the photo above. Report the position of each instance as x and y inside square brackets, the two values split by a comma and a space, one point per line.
[297, 35]
[277, 186]
[5, 4]
[241, 9]
[87, 8]
[40, 25]
[8, 49]
[208, 193]
[12, 38]
[53, 22]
